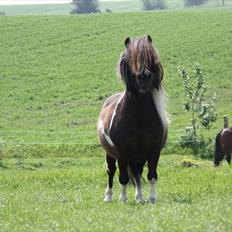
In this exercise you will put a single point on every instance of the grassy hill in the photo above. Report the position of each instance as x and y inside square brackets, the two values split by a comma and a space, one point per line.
[56, 71]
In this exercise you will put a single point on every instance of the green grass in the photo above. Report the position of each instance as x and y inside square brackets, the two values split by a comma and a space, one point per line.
[56, 71]
[66, 194]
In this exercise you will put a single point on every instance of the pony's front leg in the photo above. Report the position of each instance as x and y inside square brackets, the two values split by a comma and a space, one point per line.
[137, 169]
[152, 196]
[123, 179]
[152, 175]
[111, 168]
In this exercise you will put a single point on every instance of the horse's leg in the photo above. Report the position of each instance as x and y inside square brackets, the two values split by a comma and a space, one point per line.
[152, 174]
[123, 179]
[218, 156]
[111, 168]
[137, 169]
[228, 157]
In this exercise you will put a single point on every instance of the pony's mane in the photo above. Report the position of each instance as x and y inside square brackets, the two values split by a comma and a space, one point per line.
[139, 53]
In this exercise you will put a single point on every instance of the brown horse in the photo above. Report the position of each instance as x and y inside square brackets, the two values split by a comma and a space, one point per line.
[223, 146]
[132, 125]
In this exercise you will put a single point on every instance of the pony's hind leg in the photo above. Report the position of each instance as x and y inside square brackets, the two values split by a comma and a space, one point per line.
[228, 157]
[111, 169]
[218, 154]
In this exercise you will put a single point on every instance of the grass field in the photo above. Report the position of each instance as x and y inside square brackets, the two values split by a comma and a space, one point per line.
[55, 73]
[66, 195]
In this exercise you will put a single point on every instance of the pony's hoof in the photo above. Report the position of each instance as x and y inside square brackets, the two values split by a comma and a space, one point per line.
[108, 198]
[123, 199]
[140, 199]
[152, 200]
[108, 195]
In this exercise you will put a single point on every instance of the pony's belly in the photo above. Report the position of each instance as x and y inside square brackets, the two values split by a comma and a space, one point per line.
[136, 145]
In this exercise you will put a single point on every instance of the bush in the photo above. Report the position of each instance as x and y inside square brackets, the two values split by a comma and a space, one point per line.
[85, 6]
[189, 3]
[154, 4]
[203, 147]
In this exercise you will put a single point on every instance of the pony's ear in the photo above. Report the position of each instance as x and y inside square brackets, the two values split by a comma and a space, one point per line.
[149, 38]
[127, 41]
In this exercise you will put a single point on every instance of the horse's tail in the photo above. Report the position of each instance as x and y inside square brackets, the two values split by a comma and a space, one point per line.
[218, 149]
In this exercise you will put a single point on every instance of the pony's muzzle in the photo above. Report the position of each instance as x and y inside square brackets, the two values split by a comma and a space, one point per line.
[145, 81]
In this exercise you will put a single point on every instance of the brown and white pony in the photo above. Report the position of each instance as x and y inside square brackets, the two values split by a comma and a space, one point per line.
[223, 146]
[132, 125]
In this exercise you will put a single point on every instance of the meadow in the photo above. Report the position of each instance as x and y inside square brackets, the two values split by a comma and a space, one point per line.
[55, 73]
[65, 194]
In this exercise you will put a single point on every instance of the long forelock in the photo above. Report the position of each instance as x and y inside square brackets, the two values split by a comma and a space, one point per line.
[141, 52]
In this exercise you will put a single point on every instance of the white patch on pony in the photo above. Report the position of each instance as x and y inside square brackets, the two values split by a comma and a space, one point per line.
[108, 195]
[123, 196]
[152, 196]
[159, 99]
[115, 109]
[101, 131]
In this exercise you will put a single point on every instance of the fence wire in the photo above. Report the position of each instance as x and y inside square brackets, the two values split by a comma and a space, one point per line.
[90, 135]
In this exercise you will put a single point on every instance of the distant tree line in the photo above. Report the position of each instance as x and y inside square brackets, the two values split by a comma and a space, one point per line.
[92, 6]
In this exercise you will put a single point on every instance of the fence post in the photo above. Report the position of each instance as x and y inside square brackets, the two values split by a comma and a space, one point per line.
[226, 121]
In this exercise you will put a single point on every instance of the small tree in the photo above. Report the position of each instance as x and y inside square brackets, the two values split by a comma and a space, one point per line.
[203, 111]
[154, 4]
[85, 6]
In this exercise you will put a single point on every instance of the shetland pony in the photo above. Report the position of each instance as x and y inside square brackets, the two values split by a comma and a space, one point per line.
[132, 125]
[223, 146]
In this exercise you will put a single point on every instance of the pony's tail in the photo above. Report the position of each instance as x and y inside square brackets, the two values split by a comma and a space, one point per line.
[218, 149]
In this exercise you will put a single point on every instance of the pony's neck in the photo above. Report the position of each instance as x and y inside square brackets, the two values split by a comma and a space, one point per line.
[142, 102]
[137, 97]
